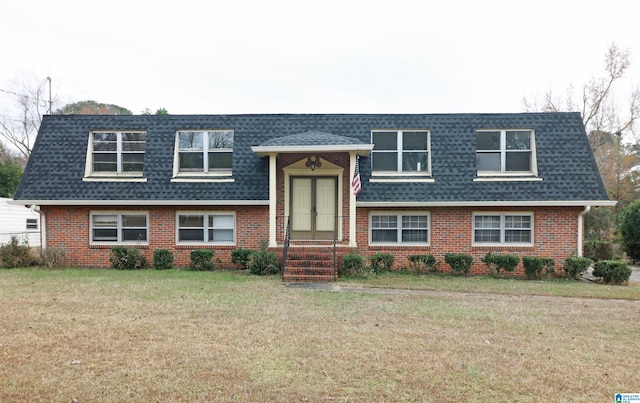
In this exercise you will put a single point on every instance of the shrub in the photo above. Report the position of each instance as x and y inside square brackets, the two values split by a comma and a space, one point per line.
[381, 262]
[575, 266]
[352, 266]
[612, 271]
[460, 263]
[200, 260]
[15, 254]
[241, 256]
[54, 257]
[423, 263]
[598, 250]
[630, 230]
[263, 262]
[498, 263]
[162, 259]
[123, 258]
[533, 266]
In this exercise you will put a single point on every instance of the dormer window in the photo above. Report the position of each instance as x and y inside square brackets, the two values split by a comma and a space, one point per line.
[116, 153]
[505, 152]
[204, 152]
[400, 152]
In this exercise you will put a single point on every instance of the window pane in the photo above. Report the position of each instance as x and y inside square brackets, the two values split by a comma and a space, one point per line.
[385, 161]
[134, 137]
[414, 161]
[488, 161]
[105, 136]
[518, 161]
[191, 161]
[378, 235]
[221, 221]
[221, 235]
[488, 141]
[134, 221]
[104, 220]
[195, 221]
[518, 140]
[517, 236]
[485, 235]
[132, 162]
[190, 141]
[414, 141]
[384, 221]
[219, 160]
[415, 221]
[515, 221]
[105, 146]
[385, 140]
[220, 139]
[191, 235]
[487, 221]
[133, 146]
[100, 234]
[415, 235]
[134, 234]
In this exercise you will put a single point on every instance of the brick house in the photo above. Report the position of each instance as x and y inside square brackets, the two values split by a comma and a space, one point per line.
[467, 183]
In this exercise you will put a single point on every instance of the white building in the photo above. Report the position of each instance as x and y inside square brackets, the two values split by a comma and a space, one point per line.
[19, 221]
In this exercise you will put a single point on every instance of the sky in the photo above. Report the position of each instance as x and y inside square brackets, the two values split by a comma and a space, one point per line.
[279, 56]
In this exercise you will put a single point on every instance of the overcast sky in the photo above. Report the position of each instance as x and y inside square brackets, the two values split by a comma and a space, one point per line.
[327, 56]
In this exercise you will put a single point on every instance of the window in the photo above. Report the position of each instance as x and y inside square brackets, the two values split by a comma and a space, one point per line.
[117, 152]
[503, 228]
[400, 151]
[32, 223]
[205, 151]
[505, 151]
[399, 228]
[129, 227]
[217, 228]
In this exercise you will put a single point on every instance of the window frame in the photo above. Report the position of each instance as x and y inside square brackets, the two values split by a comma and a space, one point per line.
[119, 172]
[32, 224]
[119, 227]
[399, 228]
[400, 151]
[503, 229]
[206, 227]
[206, 150]
[533, 171]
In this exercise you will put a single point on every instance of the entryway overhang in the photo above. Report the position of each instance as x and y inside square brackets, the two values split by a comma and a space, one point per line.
[310, 142]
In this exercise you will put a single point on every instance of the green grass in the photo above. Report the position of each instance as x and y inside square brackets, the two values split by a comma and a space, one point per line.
[106, 335]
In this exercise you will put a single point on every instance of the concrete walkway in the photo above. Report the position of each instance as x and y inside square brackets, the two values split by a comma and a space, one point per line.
[635, 273]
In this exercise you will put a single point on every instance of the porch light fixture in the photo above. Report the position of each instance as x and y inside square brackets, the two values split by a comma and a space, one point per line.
[313, 162]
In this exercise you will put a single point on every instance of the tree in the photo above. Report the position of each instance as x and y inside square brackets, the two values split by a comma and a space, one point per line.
[630, 230]
[159, 111]
[92, 108]
[10, 174]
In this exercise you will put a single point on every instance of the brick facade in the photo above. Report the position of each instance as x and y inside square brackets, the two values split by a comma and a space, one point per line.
[555, 234]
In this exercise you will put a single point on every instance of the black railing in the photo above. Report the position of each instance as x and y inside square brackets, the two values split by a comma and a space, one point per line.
[285, 249]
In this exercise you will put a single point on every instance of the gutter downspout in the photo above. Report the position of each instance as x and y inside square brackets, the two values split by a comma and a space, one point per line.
[581, 227]
[43, 227]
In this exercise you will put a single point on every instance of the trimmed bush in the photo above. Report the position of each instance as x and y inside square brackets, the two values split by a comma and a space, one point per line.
[162, 259]
[381, 262]
[612, 271]
[575, 266]
[534, 265]
[201, 260]
[123, 258]
[423, 263]
[630, 230]
[241, 256]
[498, 263]
[54, 257]
[15, 254]
[598, 250]
[263, 262]
[352, 266]
[460, 263]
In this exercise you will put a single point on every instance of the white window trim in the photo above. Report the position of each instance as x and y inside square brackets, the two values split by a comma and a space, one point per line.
[399, 214]
[119, 215]
[205, 230]
[90, 175]
[399, 151]
[502, 215]
[503, 155]
[205, 175]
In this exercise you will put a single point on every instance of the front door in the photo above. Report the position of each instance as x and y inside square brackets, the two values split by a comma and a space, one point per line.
[313, 207]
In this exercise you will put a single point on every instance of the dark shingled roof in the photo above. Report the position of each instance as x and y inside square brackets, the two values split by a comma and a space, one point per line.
[564, 159]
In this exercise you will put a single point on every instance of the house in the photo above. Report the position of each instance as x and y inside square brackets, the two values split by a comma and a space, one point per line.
[20, 222]
[430, 183]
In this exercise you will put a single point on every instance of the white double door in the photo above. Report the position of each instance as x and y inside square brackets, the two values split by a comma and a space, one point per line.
[313, 207]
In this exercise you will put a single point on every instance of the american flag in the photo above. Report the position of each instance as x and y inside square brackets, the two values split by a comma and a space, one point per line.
[357, 185]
